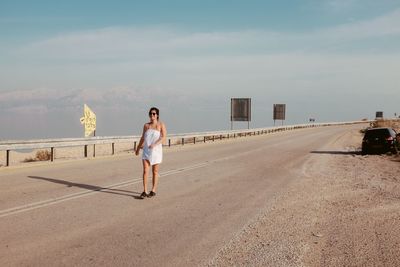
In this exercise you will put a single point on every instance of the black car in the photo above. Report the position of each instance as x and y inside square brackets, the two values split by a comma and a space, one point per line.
[380, 140]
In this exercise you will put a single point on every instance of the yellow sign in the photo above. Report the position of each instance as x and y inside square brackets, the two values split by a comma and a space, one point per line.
[89, 120]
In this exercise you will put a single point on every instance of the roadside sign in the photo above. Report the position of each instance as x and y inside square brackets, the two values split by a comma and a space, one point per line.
[279, 112]
[88, 120]
[240, 110]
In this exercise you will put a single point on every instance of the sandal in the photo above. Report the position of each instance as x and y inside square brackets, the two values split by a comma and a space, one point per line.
[143, 195]
[151, 194]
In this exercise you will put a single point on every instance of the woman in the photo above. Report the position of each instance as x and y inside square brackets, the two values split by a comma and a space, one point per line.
[153, 136]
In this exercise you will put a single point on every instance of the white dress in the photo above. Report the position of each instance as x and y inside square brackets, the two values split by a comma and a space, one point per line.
[154, 156]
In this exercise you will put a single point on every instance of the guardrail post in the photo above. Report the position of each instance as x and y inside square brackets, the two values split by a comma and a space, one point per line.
[134, 145]
[169, 142]
[52, 154]
[183, 141]
[8, 158]
[94, 151]
[113, 149]
[204, 139]
[85, 151]
[194, 140]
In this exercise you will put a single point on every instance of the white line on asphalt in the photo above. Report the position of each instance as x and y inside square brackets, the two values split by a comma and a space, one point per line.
[53, 201]
[48, 202]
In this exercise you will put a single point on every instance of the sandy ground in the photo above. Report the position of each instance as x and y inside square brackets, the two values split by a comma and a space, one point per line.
[344, 210]
[393, 123]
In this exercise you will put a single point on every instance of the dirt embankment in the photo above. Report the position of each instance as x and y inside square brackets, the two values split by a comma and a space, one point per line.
[393, 123]
[344, 210]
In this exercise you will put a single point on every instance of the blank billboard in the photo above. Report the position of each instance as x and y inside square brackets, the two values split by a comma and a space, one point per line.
[240, 109]
[279, 111]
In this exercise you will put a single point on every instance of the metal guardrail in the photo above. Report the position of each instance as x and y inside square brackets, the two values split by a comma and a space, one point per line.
[173, 139]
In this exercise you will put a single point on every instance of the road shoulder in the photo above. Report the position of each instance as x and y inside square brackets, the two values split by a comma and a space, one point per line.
[343, 209]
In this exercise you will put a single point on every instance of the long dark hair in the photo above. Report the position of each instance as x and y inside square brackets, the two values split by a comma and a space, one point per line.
[156, 110]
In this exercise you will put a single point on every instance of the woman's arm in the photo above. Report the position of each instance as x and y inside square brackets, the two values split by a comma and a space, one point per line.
[140, 145]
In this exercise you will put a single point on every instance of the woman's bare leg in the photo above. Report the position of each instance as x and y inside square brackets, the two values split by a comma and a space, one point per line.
[146, 167]
[155, 177]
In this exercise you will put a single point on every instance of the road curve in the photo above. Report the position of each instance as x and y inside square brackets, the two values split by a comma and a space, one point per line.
[86, 213]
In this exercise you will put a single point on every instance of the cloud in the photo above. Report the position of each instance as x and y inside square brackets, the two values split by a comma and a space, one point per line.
[28, 110]
[175, 60]
[387, 25]
[157, 43]
[174, 66]
[340, 5]
[47, 100]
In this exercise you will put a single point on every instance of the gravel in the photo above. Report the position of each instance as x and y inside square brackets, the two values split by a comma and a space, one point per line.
[343, 210]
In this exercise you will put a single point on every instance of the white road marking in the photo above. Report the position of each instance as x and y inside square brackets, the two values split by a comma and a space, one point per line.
[48, 202]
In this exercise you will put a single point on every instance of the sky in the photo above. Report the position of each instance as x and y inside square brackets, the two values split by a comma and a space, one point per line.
[332, 60]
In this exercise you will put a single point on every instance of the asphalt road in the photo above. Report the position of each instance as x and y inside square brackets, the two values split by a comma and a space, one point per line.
[87, 213]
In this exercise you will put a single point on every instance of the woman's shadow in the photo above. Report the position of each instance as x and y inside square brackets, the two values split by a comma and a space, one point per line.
[94, 188]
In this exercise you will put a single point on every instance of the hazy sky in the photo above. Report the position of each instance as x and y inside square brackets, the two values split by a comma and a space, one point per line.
[333, 60]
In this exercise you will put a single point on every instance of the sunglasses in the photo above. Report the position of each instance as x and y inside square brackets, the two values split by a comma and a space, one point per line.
[152, 113]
